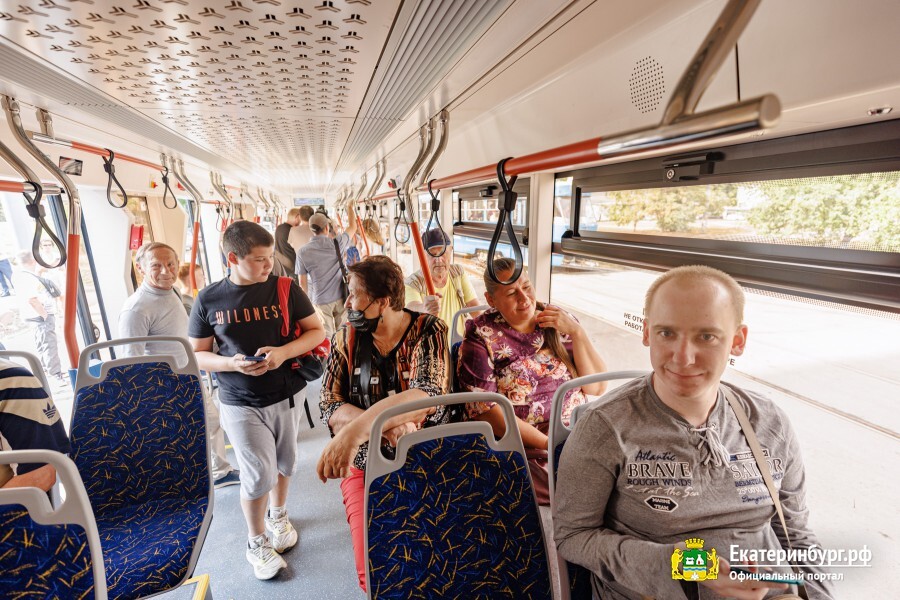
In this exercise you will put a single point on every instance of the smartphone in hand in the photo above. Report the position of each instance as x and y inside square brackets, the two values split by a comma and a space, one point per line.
[255, 358]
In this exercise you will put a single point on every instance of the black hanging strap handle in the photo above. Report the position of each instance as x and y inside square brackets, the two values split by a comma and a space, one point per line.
[436, 219]
[402, 216]
[506, 202]
[36, 212]
[168, 190]
[110, 169]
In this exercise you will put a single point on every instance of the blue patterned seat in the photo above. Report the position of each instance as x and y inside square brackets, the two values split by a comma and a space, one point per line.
[139, 440]
[574, 580]
[47, 553]
[454, 515]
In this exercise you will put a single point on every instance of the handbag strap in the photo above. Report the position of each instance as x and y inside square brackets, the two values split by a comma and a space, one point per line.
[760, 458]
[337, 250]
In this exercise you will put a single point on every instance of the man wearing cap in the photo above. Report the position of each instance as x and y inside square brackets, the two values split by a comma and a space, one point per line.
[320, 272]
[452, 288]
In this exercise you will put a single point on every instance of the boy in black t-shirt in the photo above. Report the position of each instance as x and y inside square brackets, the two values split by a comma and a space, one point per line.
[242, 315]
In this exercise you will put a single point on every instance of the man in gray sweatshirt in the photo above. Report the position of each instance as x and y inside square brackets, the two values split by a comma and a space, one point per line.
[662, 465]
[155, 308]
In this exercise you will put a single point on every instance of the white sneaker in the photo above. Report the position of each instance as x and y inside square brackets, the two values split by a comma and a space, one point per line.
[265, 561]
[284, 536]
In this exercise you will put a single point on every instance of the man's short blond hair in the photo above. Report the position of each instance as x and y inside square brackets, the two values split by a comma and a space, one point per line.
[143, 252]
[293, 213]
[695, 273]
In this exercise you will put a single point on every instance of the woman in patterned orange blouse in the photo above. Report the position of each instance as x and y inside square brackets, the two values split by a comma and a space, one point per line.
[385, 355]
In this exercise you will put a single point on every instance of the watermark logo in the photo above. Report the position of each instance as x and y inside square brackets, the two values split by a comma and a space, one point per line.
[796, 565]
[695, 563]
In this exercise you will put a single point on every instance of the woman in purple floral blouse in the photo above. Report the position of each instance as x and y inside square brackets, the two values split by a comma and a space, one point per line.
[524, 351]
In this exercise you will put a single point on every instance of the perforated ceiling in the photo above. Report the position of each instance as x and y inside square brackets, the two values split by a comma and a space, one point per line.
[273, 85]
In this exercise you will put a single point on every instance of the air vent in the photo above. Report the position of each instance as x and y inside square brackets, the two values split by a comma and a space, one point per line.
[647, 84]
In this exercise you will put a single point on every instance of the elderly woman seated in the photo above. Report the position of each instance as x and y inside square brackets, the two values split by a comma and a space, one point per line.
[525, 351]
[385, 355]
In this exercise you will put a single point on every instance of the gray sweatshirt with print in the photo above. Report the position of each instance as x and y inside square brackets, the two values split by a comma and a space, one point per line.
[635, 479]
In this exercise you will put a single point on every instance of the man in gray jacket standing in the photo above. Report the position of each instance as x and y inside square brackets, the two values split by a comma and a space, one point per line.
[155, 308]
[660, 474]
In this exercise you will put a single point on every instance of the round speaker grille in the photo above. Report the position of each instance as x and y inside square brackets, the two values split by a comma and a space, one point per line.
[647, 84]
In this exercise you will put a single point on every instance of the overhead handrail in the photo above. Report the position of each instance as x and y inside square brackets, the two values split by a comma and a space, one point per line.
[72, 252]
[108, 157]
[279, 208]
[685, 126]
[178, 171]
[410, 221]
[435, 217]
[45, 138]
[380, 171]
[506, 202]
[18, 187]
[33, 191]
[110, 169]
[444, 121]
[222, 223]
[265, 201]
[426, 142]
[359, 222]
[361, 194]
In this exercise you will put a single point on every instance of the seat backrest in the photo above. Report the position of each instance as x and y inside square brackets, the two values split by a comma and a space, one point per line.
[51, 553]
[455, 336]
[453, 514]
[456, 340]
[139, 429]
[34, 365]
[574, 580]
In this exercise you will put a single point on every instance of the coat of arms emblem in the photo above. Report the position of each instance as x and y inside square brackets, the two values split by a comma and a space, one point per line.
[695, 563]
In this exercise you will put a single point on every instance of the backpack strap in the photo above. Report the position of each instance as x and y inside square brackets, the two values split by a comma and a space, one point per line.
[361, 370]
[284, 295]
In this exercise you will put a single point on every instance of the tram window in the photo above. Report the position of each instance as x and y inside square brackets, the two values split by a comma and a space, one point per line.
[562, 207]
[471, 254]
[477, 205]
[404, 256]
[137, 207]
[858, 212]
[485, 210]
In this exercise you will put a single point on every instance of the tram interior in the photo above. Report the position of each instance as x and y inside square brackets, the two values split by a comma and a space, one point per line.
[275, 104]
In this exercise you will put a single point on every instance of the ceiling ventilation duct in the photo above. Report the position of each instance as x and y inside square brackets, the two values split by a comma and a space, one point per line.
[421, 57]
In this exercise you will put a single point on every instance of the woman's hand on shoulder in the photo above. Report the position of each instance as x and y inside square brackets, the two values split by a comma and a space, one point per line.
[557, 318]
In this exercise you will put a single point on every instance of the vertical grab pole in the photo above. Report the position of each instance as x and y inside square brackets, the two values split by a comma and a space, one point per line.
[178, 170]
[359, 223]
[73, 243]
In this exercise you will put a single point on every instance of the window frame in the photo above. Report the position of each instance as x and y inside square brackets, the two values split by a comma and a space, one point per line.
[485, 231]
[863, 278]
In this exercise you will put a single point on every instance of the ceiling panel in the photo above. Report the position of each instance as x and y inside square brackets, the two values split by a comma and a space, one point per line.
[271, 85]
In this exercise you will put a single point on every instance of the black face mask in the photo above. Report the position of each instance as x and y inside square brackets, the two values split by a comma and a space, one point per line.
[359, 322]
